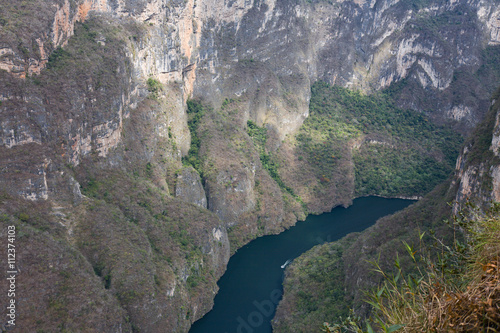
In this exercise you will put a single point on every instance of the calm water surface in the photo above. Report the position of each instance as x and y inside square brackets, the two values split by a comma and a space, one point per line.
[252, 284]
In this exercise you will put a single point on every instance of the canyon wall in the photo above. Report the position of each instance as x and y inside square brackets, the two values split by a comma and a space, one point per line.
[478, 166]
[94, 125]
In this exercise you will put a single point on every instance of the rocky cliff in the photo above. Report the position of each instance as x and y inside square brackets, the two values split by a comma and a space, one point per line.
[94, 125]
[478, 165]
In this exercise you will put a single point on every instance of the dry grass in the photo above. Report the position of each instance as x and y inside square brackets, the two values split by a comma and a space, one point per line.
[464, 298]
[440, 304]
[475, 309]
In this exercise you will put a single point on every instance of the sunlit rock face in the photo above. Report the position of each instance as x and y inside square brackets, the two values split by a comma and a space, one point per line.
[360, 44]
[269, 52]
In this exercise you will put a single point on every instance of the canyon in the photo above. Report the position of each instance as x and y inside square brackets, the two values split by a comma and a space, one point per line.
[116, 232]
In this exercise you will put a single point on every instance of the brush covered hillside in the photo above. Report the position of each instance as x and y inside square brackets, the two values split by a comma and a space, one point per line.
[143, 142]
[432, 267]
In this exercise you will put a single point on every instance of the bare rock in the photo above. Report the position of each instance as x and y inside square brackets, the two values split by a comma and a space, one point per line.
[189, 187]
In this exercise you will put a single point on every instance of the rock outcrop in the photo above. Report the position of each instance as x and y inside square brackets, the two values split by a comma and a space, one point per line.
[478, 166]
[188, 187]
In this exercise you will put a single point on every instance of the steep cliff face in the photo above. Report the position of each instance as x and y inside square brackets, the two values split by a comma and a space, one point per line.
[365, 45]
[97, 153]
[93, 127]
[478, 166]
[216, 51]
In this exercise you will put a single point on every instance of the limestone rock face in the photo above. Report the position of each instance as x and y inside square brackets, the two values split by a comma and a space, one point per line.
[478, 166]
[267, 54]
[188, 187]
[360, 44]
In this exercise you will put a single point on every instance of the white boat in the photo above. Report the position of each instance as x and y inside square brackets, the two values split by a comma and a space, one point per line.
[286, 263]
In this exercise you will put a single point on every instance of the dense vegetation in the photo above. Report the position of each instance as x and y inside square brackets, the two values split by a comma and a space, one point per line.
[259, 136]
[154, 87]
[137, 255]
[195, 111]
[321, 271]
[429, 276]
[400, 151]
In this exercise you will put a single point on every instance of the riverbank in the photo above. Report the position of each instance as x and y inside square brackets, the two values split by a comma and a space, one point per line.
[325, 282]
[253, 279]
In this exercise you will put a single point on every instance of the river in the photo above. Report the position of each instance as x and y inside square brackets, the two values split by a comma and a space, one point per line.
[252, 285]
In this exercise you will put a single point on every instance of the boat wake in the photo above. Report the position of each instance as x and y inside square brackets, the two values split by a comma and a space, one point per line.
[286, 263]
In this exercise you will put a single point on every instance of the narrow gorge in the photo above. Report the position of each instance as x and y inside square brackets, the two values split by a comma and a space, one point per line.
[142, 143]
